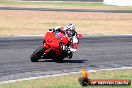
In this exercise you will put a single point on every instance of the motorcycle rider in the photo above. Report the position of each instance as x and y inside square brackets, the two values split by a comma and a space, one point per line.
[71, 34]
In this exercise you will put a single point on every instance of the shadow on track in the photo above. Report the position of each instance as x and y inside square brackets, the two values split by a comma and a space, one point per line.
[65, 61]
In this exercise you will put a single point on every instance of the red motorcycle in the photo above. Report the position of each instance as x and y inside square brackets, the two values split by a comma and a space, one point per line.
[53, 47]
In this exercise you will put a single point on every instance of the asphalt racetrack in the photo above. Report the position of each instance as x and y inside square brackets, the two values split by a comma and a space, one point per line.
[66, 10]
[93, 53]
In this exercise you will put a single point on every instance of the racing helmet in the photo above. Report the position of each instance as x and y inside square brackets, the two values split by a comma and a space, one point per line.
[70, 29]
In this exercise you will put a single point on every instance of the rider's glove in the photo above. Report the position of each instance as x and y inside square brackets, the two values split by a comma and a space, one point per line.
[65, 48]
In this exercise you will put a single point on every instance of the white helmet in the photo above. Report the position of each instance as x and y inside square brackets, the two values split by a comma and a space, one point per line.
[70, 29]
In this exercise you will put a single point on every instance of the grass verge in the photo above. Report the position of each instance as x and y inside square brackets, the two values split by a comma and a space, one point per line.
[71, 80]
[27, 22]
[64, 5]
[38, 22]
[52, 3]
[57, 5]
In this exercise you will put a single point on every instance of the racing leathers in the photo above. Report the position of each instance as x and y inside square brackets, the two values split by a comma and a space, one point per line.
[73, 41]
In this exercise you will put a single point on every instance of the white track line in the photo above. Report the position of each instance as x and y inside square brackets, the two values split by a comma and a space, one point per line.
[116, 68]
[11, 81]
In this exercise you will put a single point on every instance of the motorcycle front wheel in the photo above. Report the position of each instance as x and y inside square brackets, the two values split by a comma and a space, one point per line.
[36, 55]
[59, 58]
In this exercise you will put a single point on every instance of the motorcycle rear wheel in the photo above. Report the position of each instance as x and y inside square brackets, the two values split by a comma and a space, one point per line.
[59, 58]
[36, 55]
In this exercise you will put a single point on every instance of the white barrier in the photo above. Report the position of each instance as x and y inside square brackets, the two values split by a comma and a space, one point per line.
[118, 2]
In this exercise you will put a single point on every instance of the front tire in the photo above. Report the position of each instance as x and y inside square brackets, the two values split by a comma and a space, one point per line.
[36, 55]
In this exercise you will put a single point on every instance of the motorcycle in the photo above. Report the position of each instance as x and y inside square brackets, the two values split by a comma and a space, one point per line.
[55, 46]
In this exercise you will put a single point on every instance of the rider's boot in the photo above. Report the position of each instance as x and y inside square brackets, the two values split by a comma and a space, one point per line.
[69, 55]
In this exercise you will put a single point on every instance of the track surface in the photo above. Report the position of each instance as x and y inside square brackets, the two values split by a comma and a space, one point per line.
[93, 53]
[66, 10]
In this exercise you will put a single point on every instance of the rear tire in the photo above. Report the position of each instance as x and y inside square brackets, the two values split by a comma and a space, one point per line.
[36, 55]
[59, 59]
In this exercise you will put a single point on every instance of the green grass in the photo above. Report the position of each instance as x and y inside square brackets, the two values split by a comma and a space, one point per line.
[81, 5]
[51, 3]
[71, 81]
